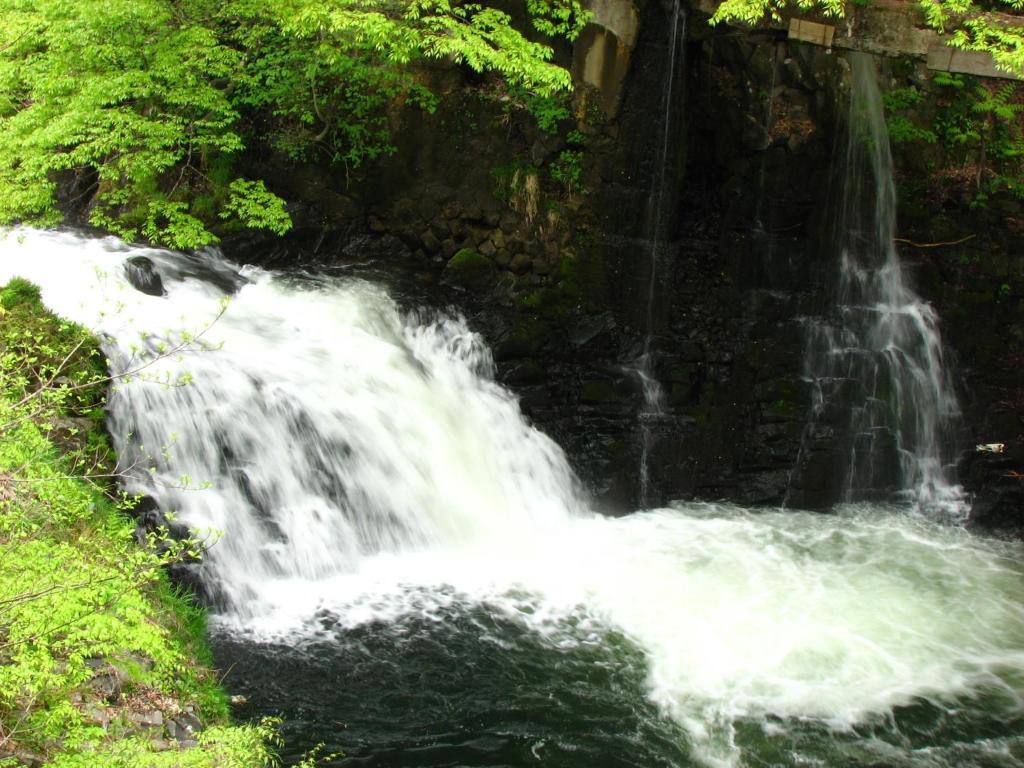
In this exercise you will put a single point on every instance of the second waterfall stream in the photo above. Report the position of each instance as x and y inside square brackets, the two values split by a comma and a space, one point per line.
[884, 388]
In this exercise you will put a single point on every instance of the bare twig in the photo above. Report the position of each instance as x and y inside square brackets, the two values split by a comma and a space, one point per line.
[933, 245]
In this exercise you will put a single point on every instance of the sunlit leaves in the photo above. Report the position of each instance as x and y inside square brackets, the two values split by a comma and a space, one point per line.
[121, 89]
[142, 107]
[558, 17]
[250, 201]
[754, 11]
[1004, 43]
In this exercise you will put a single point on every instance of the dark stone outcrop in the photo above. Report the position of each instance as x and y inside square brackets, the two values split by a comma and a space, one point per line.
[153, 527]
[995, 481]
[142, 274]
[114, 700]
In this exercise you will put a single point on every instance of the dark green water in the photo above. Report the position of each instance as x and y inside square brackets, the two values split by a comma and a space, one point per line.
[467, 687]
[462, 682]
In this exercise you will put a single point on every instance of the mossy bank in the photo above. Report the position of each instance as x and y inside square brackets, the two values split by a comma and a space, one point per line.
[102, 662]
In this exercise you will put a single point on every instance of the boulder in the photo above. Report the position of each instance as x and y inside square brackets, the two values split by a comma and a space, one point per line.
[469, 269]
[143, 276]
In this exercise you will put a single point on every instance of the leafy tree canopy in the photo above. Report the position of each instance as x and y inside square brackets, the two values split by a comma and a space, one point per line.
[151, 102]
[972, 26]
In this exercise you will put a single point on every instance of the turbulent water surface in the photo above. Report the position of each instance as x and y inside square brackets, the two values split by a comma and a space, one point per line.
[405, 570]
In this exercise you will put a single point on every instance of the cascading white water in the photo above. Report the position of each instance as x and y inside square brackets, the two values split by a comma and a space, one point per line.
[327, 427]
[880, 356]
[365, 466]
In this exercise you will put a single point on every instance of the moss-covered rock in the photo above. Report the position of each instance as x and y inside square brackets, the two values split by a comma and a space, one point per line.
[526, 339]
[468, 268]
[596, 392]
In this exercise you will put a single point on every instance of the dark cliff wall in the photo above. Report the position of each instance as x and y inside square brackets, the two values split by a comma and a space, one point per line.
[472, 208]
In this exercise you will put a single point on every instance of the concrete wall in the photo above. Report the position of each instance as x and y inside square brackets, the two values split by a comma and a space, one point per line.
[886, 28]
[601, 55]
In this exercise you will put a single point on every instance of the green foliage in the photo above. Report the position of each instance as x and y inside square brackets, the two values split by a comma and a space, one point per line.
[129, 90]
[996, 103]
[567, 170]
[901, 98]
[937, 13]
[548, 110]
[185, 621]
[1004, 43]
[902, 130]
[75, 590]
[143, 107]
[978, 127]
[949, 79]
[246, 746]
[565, 18]
[20, 291]
[323, 100]
[250, 201]
[51, 361]
[754, 11]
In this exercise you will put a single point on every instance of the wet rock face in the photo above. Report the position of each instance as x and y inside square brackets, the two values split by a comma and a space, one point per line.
[561, 299]
[142, 274]
[155, 528]
[727, 344]
[977, 289]
[743, 267]
[993, 475]
[557, 296]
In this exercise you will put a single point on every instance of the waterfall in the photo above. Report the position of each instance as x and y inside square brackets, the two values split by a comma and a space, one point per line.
[394, 539]
[656, 240]
[884, 394]
[321, 428]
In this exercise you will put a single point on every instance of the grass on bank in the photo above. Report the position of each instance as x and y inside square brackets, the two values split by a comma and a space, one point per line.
[94, 641]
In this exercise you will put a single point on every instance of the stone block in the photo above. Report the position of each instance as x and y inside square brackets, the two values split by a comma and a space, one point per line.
[945, 59]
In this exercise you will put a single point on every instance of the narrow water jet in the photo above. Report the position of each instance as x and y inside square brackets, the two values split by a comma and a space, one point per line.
[761, 227]
[884, 402]
[657, 238]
